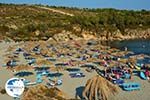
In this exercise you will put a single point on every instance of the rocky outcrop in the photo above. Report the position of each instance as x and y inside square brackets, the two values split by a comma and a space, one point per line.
[138, 33]
[104, 36]
[65, 36]
[128, 34]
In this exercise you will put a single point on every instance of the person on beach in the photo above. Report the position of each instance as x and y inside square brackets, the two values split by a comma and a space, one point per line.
[117, 76]
[130, 72]
[147, 74]
[125, 49]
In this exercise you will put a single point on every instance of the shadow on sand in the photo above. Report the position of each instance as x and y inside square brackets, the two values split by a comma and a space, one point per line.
[79, 91]
[23, 73]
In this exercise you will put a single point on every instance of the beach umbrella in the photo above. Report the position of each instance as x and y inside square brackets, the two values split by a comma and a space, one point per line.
[38, 92]
[98, 88]
[43, 49]
[51, 54]
[123, 60]
[92, 60]
[53, 68]
[23, 67]
[132, 60]
[10, 48]
[118, 54]
[28, 46]
[113, 63]
[42, 61]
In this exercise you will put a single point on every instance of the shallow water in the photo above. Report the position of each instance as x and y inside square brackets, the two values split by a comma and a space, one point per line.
[136, 46]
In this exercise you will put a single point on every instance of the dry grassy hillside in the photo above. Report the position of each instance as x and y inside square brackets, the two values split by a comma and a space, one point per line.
[34, 22]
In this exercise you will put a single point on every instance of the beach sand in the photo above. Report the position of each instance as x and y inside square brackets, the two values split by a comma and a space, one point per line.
[73, 87]
[142, 94]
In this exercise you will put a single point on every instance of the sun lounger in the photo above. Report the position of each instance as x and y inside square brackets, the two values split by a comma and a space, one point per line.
[77, 75]
[4, 65]
[142, 75]
[59, 82]
[126, 76]
[118, 81]
[39, 81]
[131, 86]
[31, 83]
[50, 84]
[137, 67]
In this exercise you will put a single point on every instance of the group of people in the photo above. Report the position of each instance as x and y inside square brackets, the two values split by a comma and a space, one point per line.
[115, 73]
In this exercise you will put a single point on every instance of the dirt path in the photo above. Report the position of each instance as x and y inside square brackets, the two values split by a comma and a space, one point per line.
[57, 11]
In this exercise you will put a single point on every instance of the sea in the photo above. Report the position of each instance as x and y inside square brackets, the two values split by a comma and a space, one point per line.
[138, 46]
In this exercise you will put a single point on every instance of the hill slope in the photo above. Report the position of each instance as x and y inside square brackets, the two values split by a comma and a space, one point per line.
[32, 22]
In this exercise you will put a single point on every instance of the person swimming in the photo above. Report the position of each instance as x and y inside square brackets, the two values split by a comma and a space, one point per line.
[125, 49]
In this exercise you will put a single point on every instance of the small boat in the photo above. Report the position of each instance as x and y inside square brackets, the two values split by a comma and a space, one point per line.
[142, 75]
[131, 86]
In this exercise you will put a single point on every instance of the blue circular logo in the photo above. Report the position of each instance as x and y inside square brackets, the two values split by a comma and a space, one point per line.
[14, 87]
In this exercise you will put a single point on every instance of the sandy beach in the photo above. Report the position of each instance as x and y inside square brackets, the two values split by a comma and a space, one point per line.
[72, 87]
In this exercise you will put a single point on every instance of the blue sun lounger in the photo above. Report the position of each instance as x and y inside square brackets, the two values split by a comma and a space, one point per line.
[126, 76]
[39, 78]
[131, 86]
[142, 75]
[118, 81]
[39, 81]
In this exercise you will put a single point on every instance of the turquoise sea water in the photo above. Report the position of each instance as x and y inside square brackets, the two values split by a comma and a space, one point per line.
[136, 46]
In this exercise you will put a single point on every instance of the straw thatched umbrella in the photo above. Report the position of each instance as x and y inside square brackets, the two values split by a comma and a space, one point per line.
[112, 64]
[22, 67]
[98, 88]
[92, 60]
[51, 54]
[41, 92]
[42, 62]
[132, 60]
[36, 56]
[123, 60]
[54, 69]
[29, 46]
[119, 54]
[2, 91]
